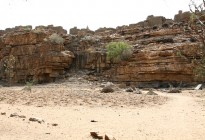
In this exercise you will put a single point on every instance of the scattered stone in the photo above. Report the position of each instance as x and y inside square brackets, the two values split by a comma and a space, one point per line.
[150, 92]
[107, 89]
[54, 124]
[95, 135]
[198, 87]
[129, 89]
[109, 137]
[14, 115]
[21, 116]
[93, 121]
[174, 90]
[3, 113]
[39, 120]
[48, 133]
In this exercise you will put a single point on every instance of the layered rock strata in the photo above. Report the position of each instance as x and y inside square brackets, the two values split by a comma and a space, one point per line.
[31, 55]
[164, 50]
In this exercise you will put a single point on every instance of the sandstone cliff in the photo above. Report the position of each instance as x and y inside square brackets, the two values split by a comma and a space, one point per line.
[27, 55]
[164, 50]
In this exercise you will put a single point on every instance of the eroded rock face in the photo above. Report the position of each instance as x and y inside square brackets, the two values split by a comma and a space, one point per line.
[163, 51]
[30, 55]
[162, 54]
[159, 62]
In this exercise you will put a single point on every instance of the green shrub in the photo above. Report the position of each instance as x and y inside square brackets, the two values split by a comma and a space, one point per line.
[55, 38]
[117, 51]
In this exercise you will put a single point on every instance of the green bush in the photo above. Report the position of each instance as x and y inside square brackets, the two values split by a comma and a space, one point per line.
[117, 51]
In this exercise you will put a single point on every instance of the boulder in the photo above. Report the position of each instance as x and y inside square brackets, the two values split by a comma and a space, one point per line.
[107, 89]
[129, 89]
[199, 87]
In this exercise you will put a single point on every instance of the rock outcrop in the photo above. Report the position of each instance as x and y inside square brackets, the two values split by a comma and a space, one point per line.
[54, 29]
[182, 17]
[158, 62]
[80, 32]
[155, 22]
[162, 54]
[164, 51]
[31, 55]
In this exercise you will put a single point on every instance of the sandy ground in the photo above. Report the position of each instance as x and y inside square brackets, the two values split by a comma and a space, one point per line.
[126, 116]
